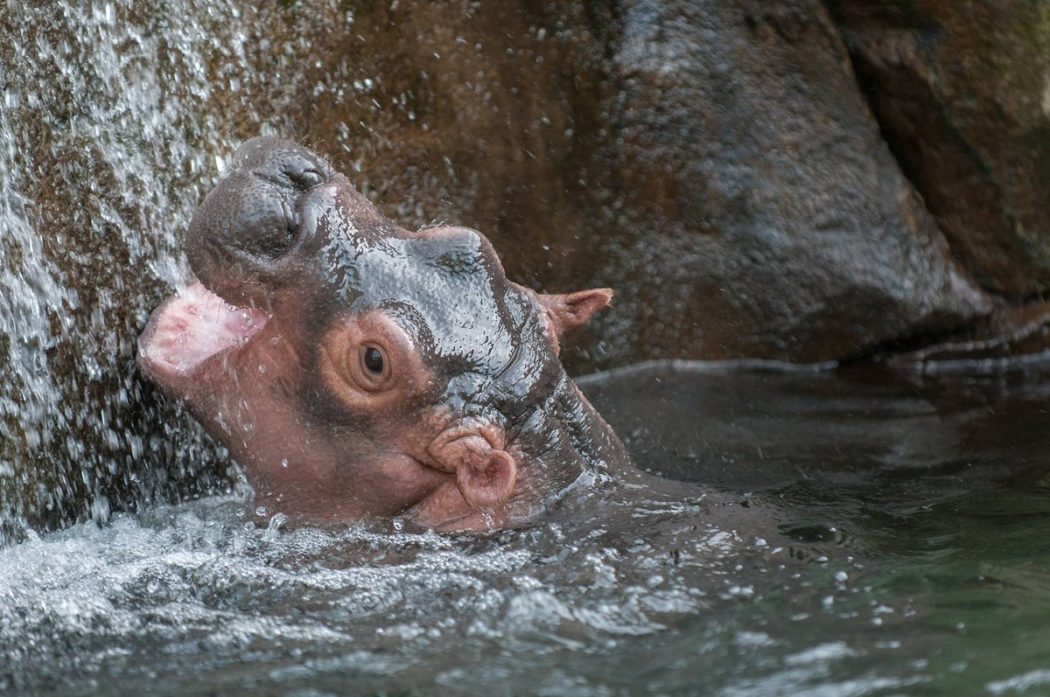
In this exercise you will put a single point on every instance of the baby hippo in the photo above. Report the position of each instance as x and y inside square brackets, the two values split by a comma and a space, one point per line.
[356, 369]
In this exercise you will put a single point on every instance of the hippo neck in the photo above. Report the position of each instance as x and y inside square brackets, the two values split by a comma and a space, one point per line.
[570, 438]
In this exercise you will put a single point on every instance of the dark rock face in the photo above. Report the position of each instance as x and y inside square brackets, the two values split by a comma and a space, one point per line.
[715, 162]
[962, 93]
[764, 210]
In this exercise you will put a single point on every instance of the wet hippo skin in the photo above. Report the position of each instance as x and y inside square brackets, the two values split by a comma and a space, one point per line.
[357, 369]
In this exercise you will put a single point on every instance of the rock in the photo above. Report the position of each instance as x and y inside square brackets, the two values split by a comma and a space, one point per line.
[961, 91]
[762, 208]
[714, 162]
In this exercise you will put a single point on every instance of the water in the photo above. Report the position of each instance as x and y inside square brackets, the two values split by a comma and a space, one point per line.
[115, 119]
[854, 536]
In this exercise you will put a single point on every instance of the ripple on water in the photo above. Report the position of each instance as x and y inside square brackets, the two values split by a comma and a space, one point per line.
[195, 588]
[828, 578]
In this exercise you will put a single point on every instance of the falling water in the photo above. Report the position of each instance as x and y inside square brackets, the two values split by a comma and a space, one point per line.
[114, 118]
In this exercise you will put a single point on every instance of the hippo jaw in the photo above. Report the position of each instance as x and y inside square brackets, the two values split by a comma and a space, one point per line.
[356, 369]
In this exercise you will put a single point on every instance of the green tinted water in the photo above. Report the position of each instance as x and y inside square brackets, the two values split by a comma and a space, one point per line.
[851, 536]
[939, 491]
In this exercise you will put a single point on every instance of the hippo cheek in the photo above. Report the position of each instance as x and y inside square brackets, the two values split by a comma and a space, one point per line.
[342, 437]
[343, 453]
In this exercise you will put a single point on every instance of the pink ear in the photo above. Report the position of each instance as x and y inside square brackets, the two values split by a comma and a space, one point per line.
[575, 309]
[488, 486]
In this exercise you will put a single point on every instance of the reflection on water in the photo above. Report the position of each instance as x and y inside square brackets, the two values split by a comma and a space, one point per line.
[853, 537]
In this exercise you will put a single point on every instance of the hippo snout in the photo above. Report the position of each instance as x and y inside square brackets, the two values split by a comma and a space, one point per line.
[252, 218]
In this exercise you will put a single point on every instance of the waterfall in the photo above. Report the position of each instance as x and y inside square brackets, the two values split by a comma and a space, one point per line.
[114, 120]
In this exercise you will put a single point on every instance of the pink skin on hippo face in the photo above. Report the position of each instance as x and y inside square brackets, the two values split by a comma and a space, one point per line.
[356, 369]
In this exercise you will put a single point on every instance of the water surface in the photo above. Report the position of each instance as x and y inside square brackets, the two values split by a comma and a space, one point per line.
[809, 534]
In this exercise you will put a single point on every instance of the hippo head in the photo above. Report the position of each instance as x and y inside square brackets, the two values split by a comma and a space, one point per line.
[357, 369]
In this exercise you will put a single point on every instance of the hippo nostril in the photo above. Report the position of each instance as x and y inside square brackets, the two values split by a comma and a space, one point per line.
[290, 232]
[292, 220]
[302, 179]
[305, 178]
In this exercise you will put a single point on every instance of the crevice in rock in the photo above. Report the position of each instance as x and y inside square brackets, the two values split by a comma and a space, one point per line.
[1010, 336]
[886, 54]
[927, 150]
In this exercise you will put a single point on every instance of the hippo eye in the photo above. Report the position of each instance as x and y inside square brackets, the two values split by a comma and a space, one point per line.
[373, 359]
[370, 368]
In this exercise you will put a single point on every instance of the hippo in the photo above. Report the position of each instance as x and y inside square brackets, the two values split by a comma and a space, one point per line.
[358, 370]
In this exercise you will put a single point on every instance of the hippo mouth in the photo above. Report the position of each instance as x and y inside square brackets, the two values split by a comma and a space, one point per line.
[192, 326]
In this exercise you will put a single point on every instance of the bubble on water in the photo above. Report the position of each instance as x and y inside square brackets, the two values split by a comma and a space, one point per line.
[275, 524]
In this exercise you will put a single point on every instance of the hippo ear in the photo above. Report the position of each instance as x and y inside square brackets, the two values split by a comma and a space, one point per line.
[485, 472]
[488, 482]
[573, 310]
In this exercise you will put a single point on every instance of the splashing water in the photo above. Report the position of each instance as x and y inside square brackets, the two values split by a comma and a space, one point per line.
[113, 119]
[207, 591]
